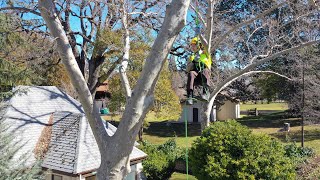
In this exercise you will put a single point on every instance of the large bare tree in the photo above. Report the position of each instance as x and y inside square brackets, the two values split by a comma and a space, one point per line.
[243, 36]
[92, 28]
[115, 159]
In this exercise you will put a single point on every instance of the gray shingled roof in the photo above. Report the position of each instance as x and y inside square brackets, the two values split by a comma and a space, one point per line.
[29, 113]
[62, 153]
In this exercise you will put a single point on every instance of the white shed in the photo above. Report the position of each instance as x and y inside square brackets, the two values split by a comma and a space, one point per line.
[230, 109]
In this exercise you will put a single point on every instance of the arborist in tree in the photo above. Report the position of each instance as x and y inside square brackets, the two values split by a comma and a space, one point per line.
[198, 69]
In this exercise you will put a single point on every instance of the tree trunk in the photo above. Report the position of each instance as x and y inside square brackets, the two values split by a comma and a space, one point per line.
[115, 150]
[205, 122]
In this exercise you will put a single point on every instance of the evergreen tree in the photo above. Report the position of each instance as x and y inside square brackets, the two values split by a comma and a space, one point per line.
[14, 169]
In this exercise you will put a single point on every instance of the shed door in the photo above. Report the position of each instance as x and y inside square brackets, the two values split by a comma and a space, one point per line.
[195, 115]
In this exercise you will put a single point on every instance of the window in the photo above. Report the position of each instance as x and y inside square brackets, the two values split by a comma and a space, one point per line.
[56, 177]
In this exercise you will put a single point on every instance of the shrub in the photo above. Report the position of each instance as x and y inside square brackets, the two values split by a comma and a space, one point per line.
[160, 162]
[298, 154]
[228, 150]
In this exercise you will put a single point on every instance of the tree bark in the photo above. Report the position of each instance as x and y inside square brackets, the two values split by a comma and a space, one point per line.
[115, 150]
[126, 54]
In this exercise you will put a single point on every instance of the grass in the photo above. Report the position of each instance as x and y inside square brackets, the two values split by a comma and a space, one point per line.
[311, 137]
[111, 117]
[265, 106]
[271, 124]
[181, 141]
[151, 117]
[180, 176]
[159, 132]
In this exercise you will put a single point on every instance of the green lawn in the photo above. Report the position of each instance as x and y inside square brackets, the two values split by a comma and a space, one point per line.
[272, 123]
[265, 106]
[159, 132]
[151, 117]
[180, 176]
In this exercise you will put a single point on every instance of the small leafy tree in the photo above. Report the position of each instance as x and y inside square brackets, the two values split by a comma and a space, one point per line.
[228, 150]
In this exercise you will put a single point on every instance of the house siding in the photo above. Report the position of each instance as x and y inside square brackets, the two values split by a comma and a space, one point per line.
[135, 173]
[229, 110]
[188, 111]
[64, 177]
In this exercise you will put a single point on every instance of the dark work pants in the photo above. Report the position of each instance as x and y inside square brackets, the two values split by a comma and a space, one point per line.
[198, 78]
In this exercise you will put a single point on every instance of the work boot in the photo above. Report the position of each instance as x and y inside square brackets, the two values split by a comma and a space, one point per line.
[205, 95]
[190, 98]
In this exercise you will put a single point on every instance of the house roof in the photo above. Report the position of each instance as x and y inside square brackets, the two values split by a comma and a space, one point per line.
[72, 148]
[103, 87]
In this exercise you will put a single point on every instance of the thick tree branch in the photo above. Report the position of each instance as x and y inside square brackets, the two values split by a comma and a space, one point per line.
[209, 28]
[172, 25]
[125, 57]
[272, 72]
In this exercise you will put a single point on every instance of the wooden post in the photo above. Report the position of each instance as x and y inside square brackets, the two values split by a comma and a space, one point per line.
[256, 113]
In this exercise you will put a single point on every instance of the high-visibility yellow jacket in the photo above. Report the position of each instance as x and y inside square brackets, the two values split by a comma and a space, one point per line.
[201, 58]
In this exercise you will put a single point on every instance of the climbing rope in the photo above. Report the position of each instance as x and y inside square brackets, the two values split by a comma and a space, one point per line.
[197, 33]
[186, 131]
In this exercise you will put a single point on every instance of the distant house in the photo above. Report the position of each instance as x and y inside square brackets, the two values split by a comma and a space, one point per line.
[230, 109]
[72, 151]
[102, 95]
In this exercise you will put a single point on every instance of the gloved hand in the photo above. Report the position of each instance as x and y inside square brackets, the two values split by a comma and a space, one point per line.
[197, 30]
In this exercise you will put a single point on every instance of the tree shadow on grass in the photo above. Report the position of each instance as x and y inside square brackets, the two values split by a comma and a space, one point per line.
[277, 120]
[274, 120]
[164, 129]
[295, 136]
